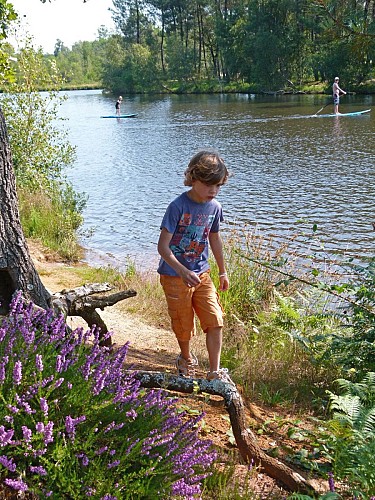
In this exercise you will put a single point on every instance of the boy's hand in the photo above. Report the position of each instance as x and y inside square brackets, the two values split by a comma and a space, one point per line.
[190, 278]
[224, 283]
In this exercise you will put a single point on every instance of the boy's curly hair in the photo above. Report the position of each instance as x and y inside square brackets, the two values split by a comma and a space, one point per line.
[207, 167]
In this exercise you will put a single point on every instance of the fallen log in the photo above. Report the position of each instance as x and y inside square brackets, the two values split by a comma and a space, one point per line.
[82, 302]
[245, 439]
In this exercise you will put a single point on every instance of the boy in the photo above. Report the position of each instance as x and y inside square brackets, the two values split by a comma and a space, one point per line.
[190, 223]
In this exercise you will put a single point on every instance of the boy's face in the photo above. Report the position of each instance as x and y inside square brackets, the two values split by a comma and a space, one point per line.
[201, 192]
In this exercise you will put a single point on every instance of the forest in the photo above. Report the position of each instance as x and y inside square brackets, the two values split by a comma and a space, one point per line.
[226, 45]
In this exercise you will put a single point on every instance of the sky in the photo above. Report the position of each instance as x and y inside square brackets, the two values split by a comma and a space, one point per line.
[68, 20]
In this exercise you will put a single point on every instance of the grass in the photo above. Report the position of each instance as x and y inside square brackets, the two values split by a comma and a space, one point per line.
[46, 219]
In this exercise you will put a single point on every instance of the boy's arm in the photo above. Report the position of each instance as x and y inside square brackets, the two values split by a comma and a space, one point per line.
[190, 278]
[217, 250]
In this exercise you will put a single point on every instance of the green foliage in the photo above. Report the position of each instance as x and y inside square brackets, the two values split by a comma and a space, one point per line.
[351, 444]
[54, 220]
[130, 67]
[83, 64]
[353, 347]
[267, 43]
[269, 324]
[50, 209]
[7, 17]
[40, 149]
[272, 45]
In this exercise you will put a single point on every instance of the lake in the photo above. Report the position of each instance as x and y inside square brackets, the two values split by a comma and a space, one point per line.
[290, 170]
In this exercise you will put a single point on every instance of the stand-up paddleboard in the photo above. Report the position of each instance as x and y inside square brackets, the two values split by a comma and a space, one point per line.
[119, 116]
[354, 113]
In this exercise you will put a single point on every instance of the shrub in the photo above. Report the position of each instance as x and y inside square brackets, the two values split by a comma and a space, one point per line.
[74, 423]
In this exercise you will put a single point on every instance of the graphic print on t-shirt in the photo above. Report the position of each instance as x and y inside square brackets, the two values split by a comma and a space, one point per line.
[190, 237]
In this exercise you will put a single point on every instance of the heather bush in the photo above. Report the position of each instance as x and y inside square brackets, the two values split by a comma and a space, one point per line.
[74, 423]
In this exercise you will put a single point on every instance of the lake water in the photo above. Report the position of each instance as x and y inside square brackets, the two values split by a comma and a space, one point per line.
[287, 166]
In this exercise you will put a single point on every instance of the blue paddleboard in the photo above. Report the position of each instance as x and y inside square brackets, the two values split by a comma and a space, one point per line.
[354, 113]
[119, 116]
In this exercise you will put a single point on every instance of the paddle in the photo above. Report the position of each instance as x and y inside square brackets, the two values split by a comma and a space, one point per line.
[321, 109]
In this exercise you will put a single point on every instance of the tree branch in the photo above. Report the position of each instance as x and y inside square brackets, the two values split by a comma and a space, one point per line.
[76, 302]
[245, 439]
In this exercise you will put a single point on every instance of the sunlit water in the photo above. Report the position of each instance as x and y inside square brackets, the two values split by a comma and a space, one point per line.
[287, 166]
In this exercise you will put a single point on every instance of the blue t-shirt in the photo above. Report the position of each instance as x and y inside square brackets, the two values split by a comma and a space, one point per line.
[190, 224]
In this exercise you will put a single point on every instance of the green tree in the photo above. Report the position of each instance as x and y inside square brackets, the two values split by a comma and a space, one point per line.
[346, 38]
[50, 208]
[40, 149]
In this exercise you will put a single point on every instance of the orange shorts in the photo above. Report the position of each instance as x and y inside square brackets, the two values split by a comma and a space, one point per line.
[183, 302]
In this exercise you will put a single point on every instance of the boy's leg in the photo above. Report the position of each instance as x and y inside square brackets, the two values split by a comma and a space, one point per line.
[214, 341]
[185, 349]
[180, 309]
[209, 311]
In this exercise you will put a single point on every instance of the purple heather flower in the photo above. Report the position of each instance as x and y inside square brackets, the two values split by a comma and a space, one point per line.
[70, 425]
[5, 436]
[2, 373]
[27, 408]
[8, 463]
[131, 414]
[48, 433]
[41, 471]
[113, 464]
[84, 458]
[17, 373]
[180, 488]
[44, 406]
[39, 427]
[100, 382]
[39, 362]
[27, 433]
[16, 484]
[59, 382]
[331, 482]
[101, 450]
[13, 409]
[59, 362]
[3, 332]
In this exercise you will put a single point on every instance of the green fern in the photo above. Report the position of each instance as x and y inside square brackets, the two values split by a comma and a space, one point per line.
[353, 434]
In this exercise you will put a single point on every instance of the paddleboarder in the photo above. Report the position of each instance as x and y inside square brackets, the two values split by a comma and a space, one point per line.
[118, 105]
[336, 95]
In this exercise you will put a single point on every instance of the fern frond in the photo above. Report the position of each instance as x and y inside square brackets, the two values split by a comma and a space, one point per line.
[347, 405]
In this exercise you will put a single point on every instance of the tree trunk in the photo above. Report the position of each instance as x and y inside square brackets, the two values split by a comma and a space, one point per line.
[17, 270]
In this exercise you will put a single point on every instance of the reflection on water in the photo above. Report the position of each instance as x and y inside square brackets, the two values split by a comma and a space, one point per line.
[287, 166]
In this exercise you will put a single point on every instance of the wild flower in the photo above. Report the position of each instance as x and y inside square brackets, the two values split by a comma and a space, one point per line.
[331, 482]
[16, 484]
[17, 373]
[39, 362]
[71, 413]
